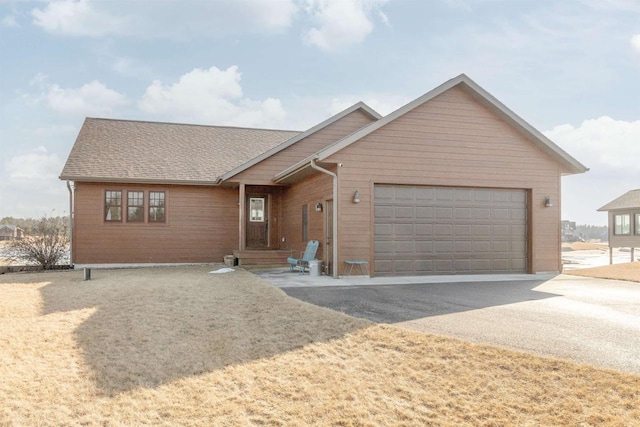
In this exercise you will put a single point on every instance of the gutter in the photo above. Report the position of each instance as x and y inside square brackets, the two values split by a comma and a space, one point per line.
[71, 215]
[334, 237]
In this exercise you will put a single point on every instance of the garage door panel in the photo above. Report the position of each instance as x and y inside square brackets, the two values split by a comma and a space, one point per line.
[424, 213]
[425, 230]
[424, 194]
[382, 212]
[403, 212]
[433, 230]
[444, 194]
[404, 230]
[401, 247]
[424, 247]
[384, 229]
[444, 213]
[443, 247]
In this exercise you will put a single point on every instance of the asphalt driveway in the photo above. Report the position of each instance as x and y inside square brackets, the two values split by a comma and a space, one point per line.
[587, 320]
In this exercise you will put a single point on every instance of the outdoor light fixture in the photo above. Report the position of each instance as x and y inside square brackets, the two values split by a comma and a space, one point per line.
[547, 202]
[319, 207]
[356, 197]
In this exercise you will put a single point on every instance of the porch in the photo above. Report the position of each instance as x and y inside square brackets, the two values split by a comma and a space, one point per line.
[262, 258]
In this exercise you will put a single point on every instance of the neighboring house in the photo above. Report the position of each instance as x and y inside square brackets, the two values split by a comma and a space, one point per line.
[10, 232]
[452, 183]
[624, 222]
[570, 232]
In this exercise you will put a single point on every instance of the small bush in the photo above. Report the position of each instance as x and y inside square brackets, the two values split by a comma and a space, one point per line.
[46, 244]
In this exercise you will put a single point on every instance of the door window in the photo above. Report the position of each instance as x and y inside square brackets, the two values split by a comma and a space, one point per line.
[256, 209]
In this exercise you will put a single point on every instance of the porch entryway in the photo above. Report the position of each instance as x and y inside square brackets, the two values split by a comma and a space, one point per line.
[259, 207]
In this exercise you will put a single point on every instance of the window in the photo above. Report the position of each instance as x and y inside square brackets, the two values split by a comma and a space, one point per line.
[113, 205]
[305, 222]
[135, 206]
[156, 206]
[621, 224]
[256, 209]
[638, 223]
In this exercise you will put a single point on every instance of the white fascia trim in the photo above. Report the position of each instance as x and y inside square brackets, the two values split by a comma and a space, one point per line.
[358, 106]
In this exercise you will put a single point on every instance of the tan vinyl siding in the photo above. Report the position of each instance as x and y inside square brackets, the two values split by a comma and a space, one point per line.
[263, 172]
[201, 225]
[452, 140]
[310, 191]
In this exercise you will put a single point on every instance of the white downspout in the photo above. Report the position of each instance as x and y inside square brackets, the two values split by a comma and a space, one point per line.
[71, 215]
[334, 238]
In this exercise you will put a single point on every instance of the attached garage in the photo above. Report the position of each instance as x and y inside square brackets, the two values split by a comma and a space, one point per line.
[423, 230]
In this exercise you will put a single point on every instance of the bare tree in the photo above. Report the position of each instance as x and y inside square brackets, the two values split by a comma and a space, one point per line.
[46, 244]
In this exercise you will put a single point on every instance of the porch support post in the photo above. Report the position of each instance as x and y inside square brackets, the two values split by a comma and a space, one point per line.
[335, 215]
[241, 218]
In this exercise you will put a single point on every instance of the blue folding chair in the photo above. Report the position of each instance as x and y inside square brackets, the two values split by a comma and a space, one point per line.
[309, 254]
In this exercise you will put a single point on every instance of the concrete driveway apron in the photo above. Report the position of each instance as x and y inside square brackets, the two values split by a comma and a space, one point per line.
[586, 320]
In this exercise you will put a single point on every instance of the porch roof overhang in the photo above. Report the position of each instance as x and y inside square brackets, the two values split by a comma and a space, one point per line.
[296, 172]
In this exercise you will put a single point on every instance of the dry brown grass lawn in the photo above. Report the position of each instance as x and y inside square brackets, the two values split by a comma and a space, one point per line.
[628, 271]
[585, 246]
[181, 346]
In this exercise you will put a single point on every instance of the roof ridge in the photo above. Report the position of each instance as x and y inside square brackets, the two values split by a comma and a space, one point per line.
[190, 124]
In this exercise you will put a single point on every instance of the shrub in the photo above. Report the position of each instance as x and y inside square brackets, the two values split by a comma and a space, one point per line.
[46, 245]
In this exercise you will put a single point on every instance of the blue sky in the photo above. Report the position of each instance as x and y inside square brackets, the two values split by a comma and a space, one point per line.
[569, 68]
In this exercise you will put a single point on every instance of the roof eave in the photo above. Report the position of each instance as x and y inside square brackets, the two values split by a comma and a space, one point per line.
[283, 176]
[94, 179]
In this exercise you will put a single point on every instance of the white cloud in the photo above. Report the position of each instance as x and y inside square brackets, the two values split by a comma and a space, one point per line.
[341, 23]
[604, 144]
[610, 149]
[9, 21]
[211, 96]
[33, 167]
[91, 99]
[635, 44]
[78, 18]
[163, 19]
[30, 186]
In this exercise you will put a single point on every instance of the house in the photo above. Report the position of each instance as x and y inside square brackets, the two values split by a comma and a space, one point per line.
[451, 183]
[10, 232]
[624, 222]
[570, 232]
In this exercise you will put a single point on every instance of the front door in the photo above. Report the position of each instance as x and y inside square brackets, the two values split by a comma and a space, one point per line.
[328, 238]
[257, 222]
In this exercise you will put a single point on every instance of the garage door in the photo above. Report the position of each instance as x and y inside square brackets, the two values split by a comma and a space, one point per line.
[442, 230]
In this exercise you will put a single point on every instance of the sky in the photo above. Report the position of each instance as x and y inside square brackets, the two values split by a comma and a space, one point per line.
[569, 68]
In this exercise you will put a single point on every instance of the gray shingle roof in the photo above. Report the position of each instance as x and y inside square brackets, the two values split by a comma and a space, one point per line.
[629, 200]
[126, 150]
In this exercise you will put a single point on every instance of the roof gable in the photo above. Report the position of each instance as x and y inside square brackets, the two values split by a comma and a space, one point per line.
[152, 152]
[469, 86]
[629, 200]
[360, 106]
[569, 164]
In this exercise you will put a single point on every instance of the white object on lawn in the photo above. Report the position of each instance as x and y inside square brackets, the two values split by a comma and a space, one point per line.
[223, 270]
